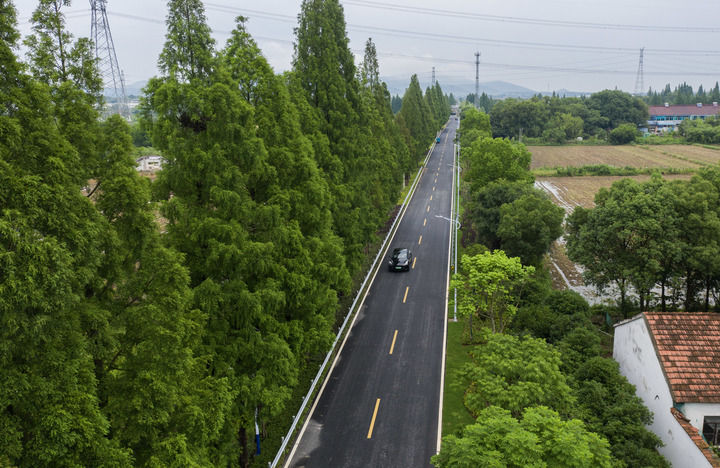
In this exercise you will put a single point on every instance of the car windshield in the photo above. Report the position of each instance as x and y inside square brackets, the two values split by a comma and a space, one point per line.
[400, 255]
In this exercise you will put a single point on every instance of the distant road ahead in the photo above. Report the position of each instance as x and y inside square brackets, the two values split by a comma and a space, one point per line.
[381, 403]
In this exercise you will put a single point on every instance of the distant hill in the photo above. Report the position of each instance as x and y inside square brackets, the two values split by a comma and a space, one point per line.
[461, 88]
[397, 86]
[131, 89]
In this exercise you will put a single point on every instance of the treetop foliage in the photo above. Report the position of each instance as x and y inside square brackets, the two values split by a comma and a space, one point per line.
[517, 372]
[656, 233]
[559, 119]
[145, 323]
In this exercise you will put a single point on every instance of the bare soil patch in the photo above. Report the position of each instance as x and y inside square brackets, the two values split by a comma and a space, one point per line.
[569, 192]
[666, 156]
[691, 153]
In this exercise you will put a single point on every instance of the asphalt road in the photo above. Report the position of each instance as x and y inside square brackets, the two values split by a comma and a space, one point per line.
[380, 405]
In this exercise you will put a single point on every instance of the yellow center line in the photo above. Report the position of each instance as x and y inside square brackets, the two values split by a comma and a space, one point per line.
[430, 197]
[425, 222]
[406, 293]
[392, 346]
[428, 209]
[433, 189]
[414, 260]
[372, 422]
[420, 240]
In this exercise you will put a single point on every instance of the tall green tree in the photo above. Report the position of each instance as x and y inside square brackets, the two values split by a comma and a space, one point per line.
[516, 373]
[699, 240]
[483, 209]
[188, 50]
[69, 68]
[474, 124]
[610, 408]
[539, 439]
[50, 249]
[489, 159]
[618, 107]
[617, 241]
[145, 337]
[224, 217]
[325, 74]
[489, 287]
[528, 227]
[514, 118]
[416, 116]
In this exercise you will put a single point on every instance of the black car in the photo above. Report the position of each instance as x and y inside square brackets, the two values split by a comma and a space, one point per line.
[400, 260]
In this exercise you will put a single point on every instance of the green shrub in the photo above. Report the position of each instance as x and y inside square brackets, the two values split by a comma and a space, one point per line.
[624, 134]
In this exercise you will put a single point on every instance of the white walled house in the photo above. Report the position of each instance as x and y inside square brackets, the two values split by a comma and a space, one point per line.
[150, 163]
[673, 359]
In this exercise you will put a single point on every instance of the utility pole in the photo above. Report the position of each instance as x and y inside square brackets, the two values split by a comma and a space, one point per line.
[639, 80]
[433, 77]
[477, 79]
[105, 54]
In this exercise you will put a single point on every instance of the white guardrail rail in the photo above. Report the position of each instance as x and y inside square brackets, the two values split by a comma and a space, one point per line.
[351, 312]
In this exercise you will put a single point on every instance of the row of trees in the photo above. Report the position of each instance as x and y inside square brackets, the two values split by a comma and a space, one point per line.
[658, 239]
[503, 210]
[682, 94]
[125, 346]
[421, 116]
[538, 384]
[559, 119]
[701, 131]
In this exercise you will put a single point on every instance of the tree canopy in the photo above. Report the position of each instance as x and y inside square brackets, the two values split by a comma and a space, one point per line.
[539, 439]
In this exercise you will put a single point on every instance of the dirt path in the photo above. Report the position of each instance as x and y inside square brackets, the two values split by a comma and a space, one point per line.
[565, 273]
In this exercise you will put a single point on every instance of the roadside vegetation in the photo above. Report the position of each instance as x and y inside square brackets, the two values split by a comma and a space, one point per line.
[534, 361]
[129, 343]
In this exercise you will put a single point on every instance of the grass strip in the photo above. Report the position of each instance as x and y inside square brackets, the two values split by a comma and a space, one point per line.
[605, 170]
[455, 415]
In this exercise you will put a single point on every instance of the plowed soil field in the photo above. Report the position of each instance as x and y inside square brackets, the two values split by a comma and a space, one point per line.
[569, 192]
[639, 156]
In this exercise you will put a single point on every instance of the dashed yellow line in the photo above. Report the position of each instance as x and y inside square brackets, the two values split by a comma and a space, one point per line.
[428, 207]
[425, 222]
[407, 289]
[372, 421]
[431, 197]
[433, 188]
[414, 260]
[420, 240]
[392, 346]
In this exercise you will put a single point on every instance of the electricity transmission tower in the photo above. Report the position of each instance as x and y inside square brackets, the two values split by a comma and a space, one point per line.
[106, 57]
[639, 86]
[477, 79]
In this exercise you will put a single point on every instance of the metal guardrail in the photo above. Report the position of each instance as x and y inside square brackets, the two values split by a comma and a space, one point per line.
[351, 311]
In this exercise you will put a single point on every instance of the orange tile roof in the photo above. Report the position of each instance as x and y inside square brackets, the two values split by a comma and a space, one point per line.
[688, 346]
[697, 438]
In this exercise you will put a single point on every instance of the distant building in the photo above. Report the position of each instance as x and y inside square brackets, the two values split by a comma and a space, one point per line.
[667, 118]
[150, 163]
[673, 359]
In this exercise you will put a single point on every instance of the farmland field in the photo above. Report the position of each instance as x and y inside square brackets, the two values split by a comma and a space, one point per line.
[645, 156]
[569, 192]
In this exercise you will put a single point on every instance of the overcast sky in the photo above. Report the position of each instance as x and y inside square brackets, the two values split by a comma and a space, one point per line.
[545, 45]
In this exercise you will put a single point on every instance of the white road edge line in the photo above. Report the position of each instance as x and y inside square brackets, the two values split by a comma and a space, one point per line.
[445, 321]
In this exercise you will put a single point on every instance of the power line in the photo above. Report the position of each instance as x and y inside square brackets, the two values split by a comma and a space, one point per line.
[533, 21]
[503, 66]
[466, 39]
